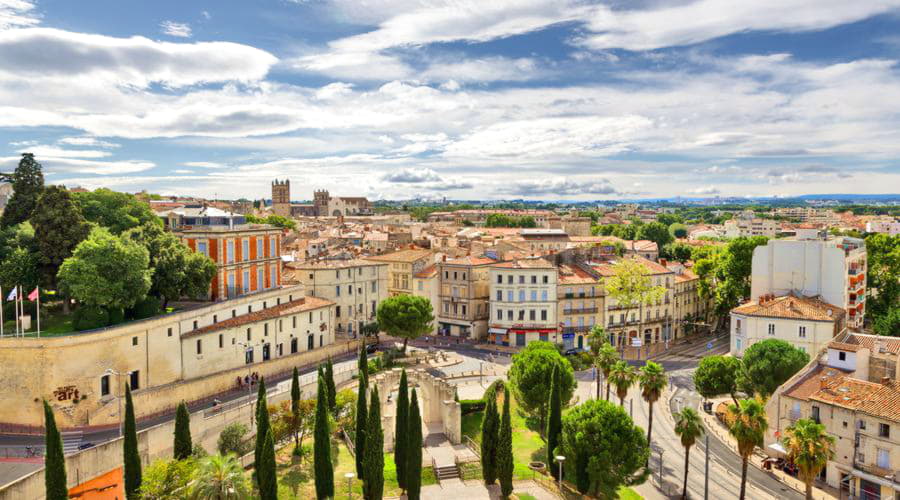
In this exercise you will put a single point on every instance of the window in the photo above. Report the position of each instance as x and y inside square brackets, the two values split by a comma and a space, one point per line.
[815, 414]
[245, 247]
[500, 314]
[337, 311]
[267, 352]
[861, 425]
[134, 340]
[104, 385]
[737, 325]
[509, 296]
[509, 279]
[546, 279]
[737, 344]
[195, 327]
[169, 332]
[499, 296]
[771, 329]
[265, 330]
[230, 256]
[215, 318]
[260, 278]
[499, 279]
[310, 343]
[884, 458]
[349, 289]
[544, 315]
[533, 279]
[532, 315]
[522, 315]
[246, 284]
[248, 335]
[521, 295]
[534, 295]
[248, 355]
[884, 430]
[543, 295]
[521, 279]
[272, 241]
[293, 345]
[374, 286]
[337, 291]
[221, 341]
[199, 346]
[134, 380]
[509, 315]
[233, 313]
[802, 332]
[259, 248]
[842, 356]
[201, 248]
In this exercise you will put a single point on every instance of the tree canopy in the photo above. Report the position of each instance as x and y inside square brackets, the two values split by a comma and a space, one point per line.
[107, 271]
[531, 377]
[405, 316]
[883, 279]
[655, 232]
[605, 450]
[717, 375]
[768, 364]
[116, 211]
[27, 183]
[58, 229]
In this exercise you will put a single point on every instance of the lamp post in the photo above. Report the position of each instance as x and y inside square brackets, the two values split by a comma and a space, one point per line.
[110, 371]
[706, 470]
[560, 459]
[660, 466]
[349, 477]
[248, 347]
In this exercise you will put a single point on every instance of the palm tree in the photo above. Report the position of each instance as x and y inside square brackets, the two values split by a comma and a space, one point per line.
[622, 375]
[748, 425]
[605, 355]
[688, 426]
[653, 380]
[810, 448]
[220, 478]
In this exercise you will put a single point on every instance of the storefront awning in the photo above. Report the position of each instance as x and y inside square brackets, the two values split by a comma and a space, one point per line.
[873, 478]
[776, 446]
[497, 330]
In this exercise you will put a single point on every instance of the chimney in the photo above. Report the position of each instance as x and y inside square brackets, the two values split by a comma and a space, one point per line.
[444, 258]
[823, 382]
[885, 380]
[662, 262]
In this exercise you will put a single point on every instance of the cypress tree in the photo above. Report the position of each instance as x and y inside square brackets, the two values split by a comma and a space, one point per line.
[362, 414]
[414, 450]
[295, 406]
[489, 427]
[329, 385]
[182, 445]
[554, 421]
[324, 473]
[504, 451]
[262, 421]
[401, 436]
[265, 470]
[54, 461]
[373, 487]
[132, 459]
[28, 184]
[363, 364]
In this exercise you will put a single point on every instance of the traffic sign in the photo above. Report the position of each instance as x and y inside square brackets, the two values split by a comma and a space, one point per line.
[708, 346]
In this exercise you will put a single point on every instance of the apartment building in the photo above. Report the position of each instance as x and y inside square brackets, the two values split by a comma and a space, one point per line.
[427, 283]
[639, 324]
[747, 227]
[247, 256]
[807, 323]
[580, 305]
[402, 266]
[463, 303]
[851, 388]
[889, 227]
[690, 310]
[479, 216]
[808, 215]
[813, 264]
[355, 286]
[523, 302]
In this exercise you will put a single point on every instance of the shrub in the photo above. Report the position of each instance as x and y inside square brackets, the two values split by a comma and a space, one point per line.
[146, 308]
[471, 405]
[116, 316]
[90, 317]
[231, 440]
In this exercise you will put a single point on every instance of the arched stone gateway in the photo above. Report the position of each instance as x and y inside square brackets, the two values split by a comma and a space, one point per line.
[440, 413]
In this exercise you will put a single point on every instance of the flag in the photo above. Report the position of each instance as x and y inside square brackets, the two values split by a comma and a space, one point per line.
[13, 294]
[33, 295]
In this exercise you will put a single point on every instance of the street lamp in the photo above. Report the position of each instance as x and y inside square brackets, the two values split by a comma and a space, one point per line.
[661, 450]
[110, 371]
[560, 459]
[349, 477]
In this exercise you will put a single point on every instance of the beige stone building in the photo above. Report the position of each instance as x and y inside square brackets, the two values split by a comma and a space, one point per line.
[580, 305]
[427, 283]
[189, 355]
[690, 310]
[355, 286]
[463, 307]
[523, 302]
[402, 265]
[807, 323]
[851, 388]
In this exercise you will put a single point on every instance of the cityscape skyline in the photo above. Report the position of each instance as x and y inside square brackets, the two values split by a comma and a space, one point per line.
[401, 100]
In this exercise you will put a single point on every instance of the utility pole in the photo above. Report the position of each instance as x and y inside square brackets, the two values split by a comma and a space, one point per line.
[706, 471]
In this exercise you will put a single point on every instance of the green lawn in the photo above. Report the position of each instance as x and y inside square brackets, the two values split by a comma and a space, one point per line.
[53, 324]
[527, 443]
[628, 494]
[295, 479]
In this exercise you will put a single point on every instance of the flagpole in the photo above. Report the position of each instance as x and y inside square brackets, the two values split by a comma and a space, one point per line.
[16, 308]
[1, 312]
[21, 323]
[38, 310]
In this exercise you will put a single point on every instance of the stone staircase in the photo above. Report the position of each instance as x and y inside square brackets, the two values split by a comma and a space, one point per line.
[445, 472]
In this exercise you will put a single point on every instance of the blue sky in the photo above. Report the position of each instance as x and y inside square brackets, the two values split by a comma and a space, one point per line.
[466, 99]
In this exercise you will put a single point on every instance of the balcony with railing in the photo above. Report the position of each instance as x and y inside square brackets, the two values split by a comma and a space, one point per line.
[576, 329]
[581, 310]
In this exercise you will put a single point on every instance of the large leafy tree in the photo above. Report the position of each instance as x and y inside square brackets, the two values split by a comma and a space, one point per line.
[504, 451]
[220, 478]
[531, 376]
[653, 380]
[725, 274]
[324, 472]
[19, 268]
[716, 375]
[631, 286]
[655, 232]
[401, 424]
[768, 364]
[622, 376]
[28, 183]
[373, 461]
[888, 324]
[58, 229]
[405, 316]
[688, 427]
[883, 279]
[182, 444]
[748, 426]
[54, 461]
[131, 456]
[414, 457]
[106, 271]
[116, 211]
[810, 447]
[604, 447]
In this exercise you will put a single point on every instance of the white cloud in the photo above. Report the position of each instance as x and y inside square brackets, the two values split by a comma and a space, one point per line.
[705, 190]
[87, 141]
[171, 28]
[412, 175]
[52, 151]
[559, 186]
[488, 69]
[137, 61]
[204, 164]
[55, 165]
[17, 14]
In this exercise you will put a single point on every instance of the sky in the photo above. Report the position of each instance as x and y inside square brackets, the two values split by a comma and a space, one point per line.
[476, 100]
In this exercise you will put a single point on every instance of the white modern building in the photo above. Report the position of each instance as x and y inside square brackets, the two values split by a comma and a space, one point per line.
[747, 227]
[889, 227]
[523, 302]
[813, 264]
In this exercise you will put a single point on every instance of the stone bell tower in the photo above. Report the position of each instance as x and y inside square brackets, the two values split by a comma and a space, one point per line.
[281, 197]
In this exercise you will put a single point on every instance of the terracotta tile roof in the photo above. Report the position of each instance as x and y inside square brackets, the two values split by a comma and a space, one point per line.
[890, 344]
[536, 263]
[470, 260]
[880, 400]
[811, 382]
[792, 307]
[300, 305]
[410, 255]
[427, 272]
[573, 275]
[334, 264]
[841, 346]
